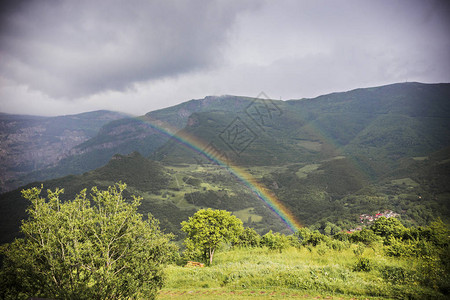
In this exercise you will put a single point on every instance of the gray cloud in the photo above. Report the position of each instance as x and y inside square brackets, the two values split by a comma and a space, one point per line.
[77, 48]
[137, 56]
[313, 47]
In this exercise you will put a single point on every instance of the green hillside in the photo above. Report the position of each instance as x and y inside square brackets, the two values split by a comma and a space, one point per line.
[128, 134]
[328, 160]
[170, 193]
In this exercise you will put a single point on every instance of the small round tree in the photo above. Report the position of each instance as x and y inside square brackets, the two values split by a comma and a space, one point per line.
[207, 229]
[75, 250]
[249, 238]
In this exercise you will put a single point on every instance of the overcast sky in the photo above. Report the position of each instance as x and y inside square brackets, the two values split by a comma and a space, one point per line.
[65, 57]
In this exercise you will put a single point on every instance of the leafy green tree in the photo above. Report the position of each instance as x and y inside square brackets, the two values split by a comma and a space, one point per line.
[438, 233]
[365, 236]
[275, 241]
[75, 250]
[207, 229]
[331, 229]
[248, 238]
[387, 228]
[308, 237]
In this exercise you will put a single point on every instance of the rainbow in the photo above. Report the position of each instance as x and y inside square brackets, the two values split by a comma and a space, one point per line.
[218, 158]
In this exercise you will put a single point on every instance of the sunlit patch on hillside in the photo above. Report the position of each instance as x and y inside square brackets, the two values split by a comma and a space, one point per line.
[304, 171]
[248, 215]
[405, 181]
[310, 145]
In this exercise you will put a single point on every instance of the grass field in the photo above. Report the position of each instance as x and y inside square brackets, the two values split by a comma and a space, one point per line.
[307, 273]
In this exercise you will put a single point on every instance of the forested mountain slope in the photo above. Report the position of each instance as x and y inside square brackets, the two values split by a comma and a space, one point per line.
[328, 159]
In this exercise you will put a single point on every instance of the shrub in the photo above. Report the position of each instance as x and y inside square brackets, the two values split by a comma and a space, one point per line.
[308, 237]
[363, 264]
[417, 248]
[337, 245]
[248, 238]
[359, 250]
[322, 248]
[388, 227]
[365, 236]
[397, 275]
[275, 241]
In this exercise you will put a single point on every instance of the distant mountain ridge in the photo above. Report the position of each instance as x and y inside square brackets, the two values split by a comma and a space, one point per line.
[375, 127]
[125, 135]
[30, 143]
[327, 159]
[342, 119]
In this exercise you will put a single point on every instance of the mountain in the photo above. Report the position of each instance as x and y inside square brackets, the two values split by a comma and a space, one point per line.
[327, 159]
[364, 124]
[125, 135]
[30, 143]
[373, 127]
[337, 156]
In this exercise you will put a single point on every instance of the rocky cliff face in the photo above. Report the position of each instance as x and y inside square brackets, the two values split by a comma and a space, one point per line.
[29, 143]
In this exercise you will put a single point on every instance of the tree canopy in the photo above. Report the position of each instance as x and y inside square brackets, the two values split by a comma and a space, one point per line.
[207, 229]
[75, 250]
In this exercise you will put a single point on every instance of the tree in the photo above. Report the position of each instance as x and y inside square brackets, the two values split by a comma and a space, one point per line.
[248, 238]
[331, 229]
[387, 228]
[75, 250]
[275, 241]
[365, 236]
[207, 229]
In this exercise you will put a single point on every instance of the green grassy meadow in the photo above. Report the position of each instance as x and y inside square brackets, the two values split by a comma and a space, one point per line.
[306, 272]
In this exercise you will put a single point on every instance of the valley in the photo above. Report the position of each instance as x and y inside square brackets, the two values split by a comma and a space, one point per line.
[327, 160]
[344, 195]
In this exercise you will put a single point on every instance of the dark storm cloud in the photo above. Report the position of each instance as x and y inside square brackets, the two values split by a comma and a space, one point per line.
[77, 48]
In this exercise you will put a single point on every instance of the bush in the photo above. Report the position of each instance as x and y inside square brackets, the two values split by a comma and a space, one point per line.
[397, 275]
[275, 241]
[337, 245]
[248, 238]
[365, 236]
[363, 264]
[409, 248]
[359, 250]
[322, 248]
[388, 227]
[308, 237]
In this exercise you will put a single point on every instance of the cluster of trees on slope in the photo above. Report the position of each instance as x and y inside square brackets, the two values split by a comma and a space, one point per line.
[100, 247]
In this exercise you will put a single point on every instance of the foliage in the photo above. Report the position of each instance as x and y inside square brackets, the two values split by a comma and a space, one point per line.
[365, 236]
[207, 229]
[331, 229]
[308, 237]
[275, 241]
[75, 250]
[419, 248]
[359, 250]
[248, 238]
[363, 264]
[387, 228]
[297, 270]
[396, 274]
